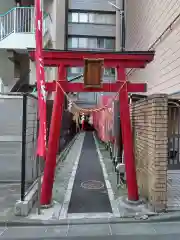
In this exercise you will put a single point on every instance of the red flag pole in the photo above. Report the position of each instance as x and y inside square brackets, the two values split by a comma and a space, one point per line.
[41, 148]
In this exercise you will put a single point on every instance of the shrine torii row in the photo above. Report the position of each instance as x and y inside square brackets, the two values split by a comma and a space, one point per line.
[119, 60]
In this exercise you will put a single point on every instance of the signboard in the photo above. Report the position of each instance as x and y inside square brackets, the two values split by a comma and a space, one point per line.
[93, 72]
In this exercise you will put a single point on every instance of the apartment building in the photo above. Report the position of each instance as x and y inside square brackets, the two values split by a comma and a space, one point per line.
[17, 33]
[154, 24]
[67, 24]
[84, 25]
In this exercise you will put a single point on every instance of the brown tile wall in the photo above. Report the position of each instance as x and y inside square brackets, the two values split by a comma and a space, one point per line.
[150, 125]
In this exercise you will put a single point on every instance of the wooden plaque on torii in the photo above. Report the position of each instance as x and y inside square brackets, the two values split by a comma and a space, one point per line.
[93, 72]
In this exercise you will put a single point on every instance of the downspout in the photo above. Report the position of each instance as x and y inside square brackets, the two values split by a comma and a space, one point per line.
[66, 39]
[123, 27]
[120, 28]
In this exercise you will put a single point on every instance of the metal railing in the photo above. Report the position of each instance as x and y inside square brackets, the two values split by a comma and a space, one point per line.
[20, 20]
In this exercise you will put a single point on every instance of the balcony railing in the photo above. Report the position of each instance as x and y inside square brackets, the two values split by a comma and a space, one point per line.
[20, 20]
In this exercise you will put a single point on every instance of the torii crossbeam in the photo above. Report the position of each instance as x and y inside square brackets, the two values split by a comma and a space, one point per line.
[118, 60]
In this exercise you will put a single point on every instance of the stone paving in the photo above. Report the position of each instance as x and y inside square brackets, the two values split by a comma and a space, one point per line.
[9, 194]
[137, 231]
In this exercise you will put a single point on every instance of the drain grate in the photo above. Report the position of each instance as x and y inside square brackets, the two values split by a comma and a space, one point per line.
[92, 185]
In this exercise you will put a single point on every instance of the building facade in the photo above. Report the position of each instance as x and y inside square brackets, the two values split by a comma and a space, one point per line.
[17, 33]
[154, 25]
[67, 24]
[84, 25]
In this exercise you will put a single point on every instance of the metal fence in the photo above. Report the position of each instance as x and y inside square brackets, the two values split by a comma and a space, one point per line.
[29, 163]
[31, 168]
[68, 130]
[174, 136]
[173, 161]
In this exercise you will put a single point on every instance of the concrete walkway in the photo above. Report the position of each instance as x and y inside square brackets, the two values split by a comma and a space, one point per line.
[9, 194]
[142, 231]
[89, 194]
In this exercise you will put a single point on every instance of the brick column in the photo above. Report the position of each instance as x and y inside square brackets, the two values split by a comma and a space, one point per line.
[159, 151]
[150, 126]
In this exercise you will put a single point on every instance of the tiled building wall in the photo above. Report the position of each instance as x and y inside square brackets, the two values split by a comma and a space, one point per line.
[150, 125]
[146, 21]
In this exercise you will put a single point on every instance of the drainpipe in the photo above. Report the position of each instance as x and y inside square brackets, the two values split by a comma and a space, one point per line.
[123, 27]
[120, 46]
[120, 24]
[66, 39]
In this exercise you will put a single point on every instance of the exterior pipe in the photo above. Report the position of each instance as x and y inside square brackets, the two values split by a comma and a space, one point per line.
[120, 14]
[123, 27]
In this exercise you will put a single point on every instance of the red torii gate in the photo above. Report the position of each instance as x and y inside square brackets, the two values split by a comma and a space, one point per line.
[118, 60]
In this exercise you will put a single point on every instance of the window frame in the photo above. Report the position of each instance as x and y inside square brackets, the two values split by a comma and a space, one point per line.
[96, 39]
[85, 14]
[100, 15]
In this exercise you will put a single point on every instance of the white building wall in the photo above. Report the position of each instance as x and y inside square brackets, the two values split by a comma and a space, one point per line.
[6, 5]
[1, 86]
[146, 21]
[32, 75]
[57, 12]
[18, 41]
[6, 69]
[6, 66]
[48, 7]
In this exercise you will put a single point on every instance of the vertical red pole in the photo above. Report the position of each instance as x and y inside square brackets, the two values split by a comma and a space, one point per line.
[127, 139]
[54, 134]
[41, 148]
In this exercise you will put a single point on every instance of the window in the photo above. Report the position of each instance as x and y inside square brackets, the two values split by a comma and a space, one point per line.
[73, 17]
[83, 17]
[100, 18]
[110, 72]
[105, 43]
[111, 19]
[73, 42]
[91, 43]
[91, 18]
[109, 44]
[97, 18]
[100, 43]
[83, 43]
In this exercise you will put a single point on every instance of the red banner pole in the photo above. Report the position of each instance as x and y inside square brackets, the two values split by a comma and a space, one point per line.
[41, 148]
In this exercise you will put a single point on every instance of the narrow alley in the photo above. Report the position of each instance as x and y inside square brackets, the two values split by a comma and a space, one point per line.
[90, 119]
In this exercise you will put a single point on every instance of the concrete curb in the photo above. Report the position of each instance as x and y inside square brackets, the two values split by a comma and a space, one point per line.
[22, 208]
[21, 223]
